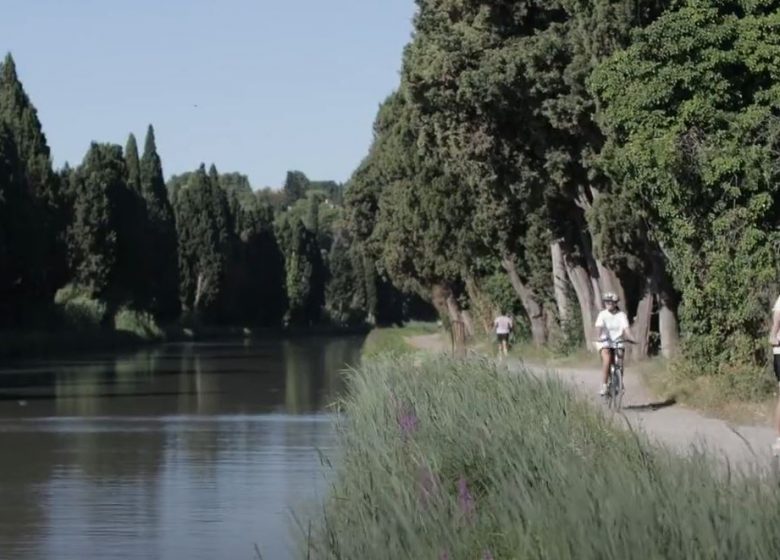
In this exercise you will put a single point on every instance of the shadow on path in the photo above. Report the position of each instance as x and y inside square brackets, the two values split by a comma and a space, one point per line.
[652, 406]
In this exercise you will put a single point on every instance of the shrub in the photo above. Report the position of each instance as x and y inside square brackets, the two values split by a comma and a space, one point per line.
[78, 309]
[139, 323]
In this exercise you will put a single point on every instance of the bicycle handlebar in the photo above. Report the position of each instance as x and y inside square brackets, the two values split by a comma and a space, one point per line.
[613, 343]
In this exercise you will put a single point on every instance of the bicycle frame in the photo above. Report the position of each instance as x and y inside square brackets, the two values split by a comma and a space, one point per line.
[615, 388]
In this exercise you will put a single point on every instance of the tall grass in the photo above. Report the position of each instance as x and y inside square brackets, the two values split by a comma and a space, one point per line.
[458, 459]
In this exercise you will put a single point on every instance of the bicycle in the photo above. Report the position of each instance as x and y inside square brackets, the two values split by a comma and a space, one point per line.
[615, 387]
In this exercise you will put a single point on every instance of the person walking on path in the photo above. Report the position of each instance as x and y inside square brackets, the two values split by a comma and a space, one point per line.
[503, 325]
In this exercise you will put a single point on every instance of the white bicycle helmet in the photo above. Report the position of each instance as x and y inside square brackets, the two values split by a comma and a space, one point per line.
[609, 296]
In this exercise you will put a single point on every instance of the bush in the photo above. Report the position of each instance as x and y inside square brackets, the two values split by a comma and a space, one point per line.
[139, 323]
[456, 459]
[78, 309]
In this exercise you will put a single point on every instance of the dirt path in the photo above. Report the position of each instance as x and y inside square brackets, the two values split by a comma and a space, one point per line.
[676, 426]
[429, 342]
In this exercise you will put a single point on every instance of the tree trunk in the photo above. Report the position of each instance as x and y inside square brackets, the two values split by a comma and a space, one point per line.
[467, 322]
[580, 281]
[200, 288]
[668, 326]
[533, 308]
[560, 282]
[457, 325]
[640, 327]
[609, 282]
[439, 294]
[453, 309]
[483, 312]
[445, 303]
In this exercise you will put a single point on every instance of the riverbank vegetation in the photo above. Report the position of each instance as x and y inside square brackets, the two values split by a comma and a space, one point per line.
[533, 155]
[447, 458]
[108, 251]
[624, 146]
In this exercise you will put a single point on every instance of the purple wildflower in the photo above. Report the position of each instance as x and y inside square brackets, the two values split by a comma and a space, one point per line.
[487, 555]
[465, 499]
[408, 423]
[444, 556]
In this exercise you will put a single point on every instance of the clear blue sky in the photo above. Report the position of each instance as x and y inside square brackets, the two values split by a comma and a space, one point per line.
[278, 84]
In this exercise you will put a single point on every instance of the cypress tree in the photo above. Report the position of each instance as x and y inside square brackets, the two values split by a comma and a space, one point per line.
[18, 265]
[295, 186]
[162, 268]
[203, 253]
[93, 248]
[43, 249]
[133, 164]
[21, 117]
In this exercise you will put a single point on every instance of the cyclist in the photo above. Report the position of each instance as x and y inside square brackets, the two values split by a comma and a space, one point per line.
[612, 325]
[774, 340]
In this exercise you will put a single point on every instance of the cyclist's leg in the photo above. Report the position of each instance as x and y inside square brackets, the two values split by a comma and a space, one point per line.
[606, 361]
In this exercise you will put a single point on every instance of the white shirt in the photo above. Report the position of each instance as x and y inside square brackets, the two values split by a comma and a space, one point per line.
[503, 324]
[615, 323]
[776, 309]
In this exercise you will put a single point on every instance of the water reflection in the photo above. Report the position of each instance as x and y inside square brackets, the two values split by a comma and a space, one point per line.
[182, 451]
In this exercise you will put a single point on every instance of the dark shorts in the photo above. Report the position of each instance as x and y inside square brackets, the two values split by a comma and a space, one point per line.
[776, 364]
[503, 337]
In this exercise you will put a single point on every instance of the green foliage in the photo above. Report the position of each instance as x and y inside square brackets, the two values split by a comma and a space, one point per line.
[133, 164]
[33, 250]
[160, 266]
[204, 242]
[345, 294]
[438, 461]
[406, 211]
[92, 236]
[305, 273]
[295, 186]
[109, 227]
[21, 245]
[140, 323]
[79, 308]
[690, 113]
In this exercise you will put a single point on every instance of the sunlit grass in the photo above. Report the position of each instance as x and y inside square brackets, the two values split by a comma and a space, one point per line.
[392, 340]
[458, 459]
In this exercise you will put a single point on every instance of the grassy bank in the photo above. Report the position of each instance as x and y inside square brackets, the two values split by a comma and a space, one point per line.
[392, 340]
[746, 400]
[456, 459]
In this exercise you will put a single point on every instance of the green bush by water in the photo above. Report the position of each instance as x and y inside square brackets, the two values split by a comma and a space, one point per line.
[458, 460]
[78, 309]
[139, 323]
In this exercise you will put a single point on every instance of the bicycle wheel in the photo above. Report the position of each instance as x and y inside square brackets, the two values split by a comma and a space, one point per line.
[617, 401]
[611, 387]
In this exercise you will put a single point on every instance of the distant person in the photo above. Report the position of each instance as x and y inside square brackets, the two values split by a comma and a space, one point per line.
[503, 325]
[774, 340]
[612, 326]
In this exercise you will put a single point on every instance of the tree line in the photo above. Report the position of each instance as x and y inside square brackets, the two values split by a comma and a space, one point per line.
[558, 149]
[110, 241]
